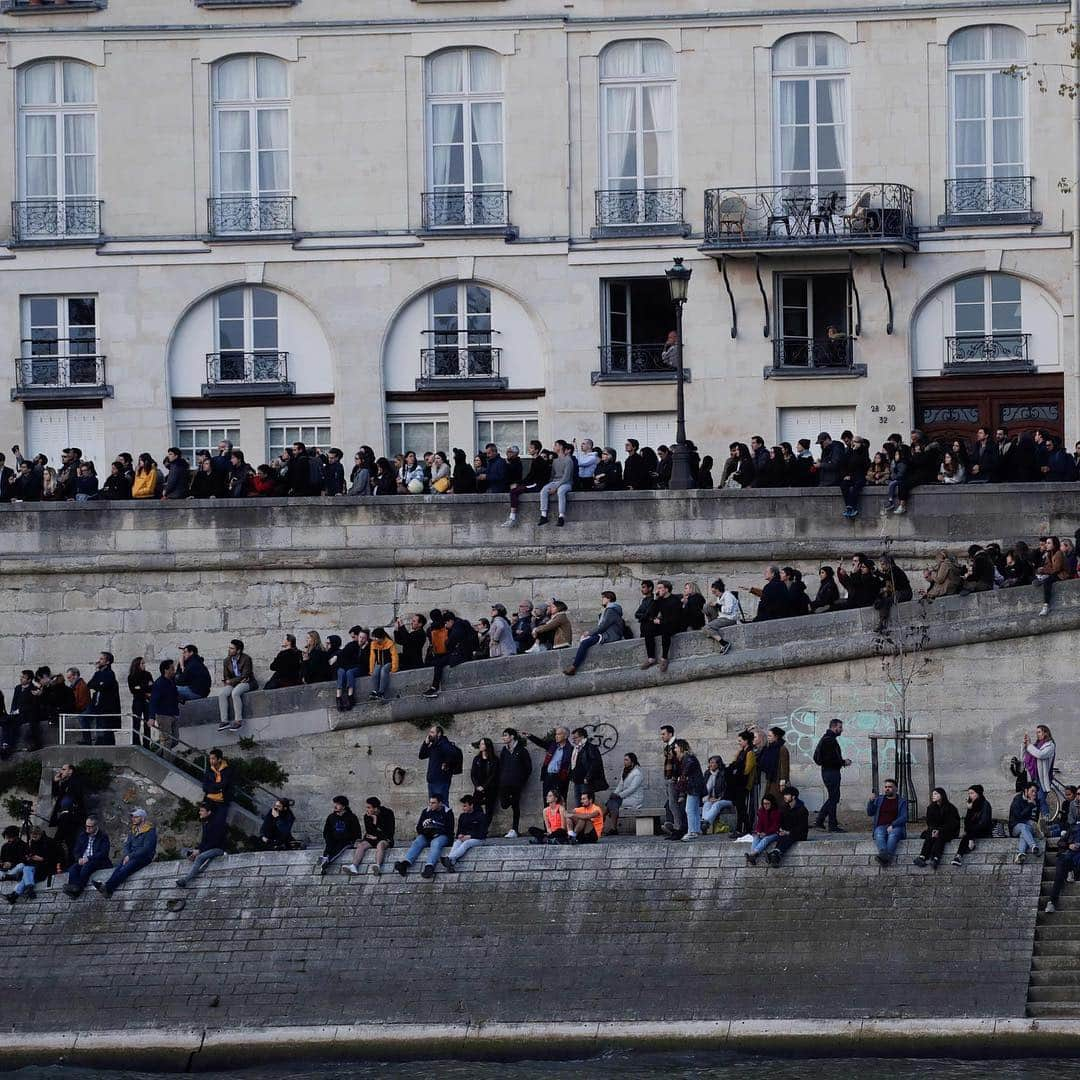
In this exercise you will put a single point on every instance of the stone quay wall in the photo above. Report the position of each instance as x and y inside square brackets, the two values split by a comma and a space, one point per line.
[144, 578]
[651, 935]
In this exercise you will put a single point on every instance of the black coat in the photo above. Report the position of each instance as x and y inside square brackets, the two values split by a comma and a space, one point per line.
[588, 770]
[411, 644]
[669, 610]
[515, 767]
[833, 465]
[380, 826]
[485, 774]
[104, 693]
[945, 818]
[693, 612]
[636, 473]
[341, 829]
[774, 602]
[828, 754]
[795, 820]
[316, 668]
[979, 819]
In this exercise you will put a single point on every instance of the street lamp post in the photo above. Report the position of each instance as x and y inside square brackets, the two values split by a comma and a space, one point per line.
[678, 277]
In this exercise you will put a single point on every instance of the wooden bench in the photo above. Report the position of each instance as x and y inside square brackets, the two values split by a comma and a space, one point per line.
[648, 820]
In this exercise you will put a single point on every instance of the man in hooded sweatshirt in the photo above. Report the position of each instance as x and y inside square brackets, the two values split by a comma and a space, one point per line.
[140, 847]
[609, 627]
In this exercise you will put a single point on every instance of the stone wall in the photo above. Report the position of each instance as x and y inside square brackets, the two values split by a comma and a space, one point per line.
[522, 934]
[141, 579]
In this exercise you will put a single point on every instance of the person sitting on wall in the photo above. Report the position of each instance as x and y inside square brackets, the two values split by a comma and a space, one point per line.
[340, 831]
[794, 825]
[213, 817]
[90, 855]
[218, 779]
[38, 863]
[890, 815]
[586, 820]
[192, 679]
[556, 828]
[978, 823]
[377, 834]
[942, 825]
[286, 666]
[1023, 814]
[664, 621]
[766, 828]
[140, 847]
[472, 830]
[277, 826]
[609, 627]
[772, 597]
[434, 830]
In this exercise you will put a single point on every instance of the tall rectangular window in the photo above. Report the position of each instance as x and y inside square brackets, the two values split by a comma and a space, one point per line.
[282, 433]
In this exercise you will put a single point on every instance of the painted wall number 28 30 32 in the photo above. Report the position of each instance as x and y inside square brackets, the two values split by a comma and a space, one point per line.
[882, 419]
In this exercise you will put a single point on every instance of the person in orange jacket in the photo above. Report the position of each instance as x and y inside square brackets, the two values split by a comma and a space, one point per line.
[384, 662]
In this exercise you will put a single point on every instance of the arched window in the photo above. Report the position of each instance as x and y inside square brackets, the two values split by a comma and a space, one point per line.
[987, 106]
[460, 333]
[466, 174]
[810, 72]
[251, 146]
[247, 338]
[57, 150]
[987, 320]
[637, 87]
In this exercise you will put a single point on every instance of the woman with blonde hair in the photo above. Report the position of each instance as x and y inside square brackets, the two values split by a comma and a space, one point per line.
[693, 603]
[315, 666]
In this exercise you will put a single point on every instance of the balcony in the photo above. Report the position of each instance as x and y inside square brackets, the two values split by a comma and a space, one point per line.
[225, 5]
[800, 357]
[446, 365]
[655, 212]
[73, 221]
[236, 374]
[478, 212]
[244, 215]
[792, 220]
[628, 363]
[55, 376]
[45, 7]
[987, 354]
[989, 200]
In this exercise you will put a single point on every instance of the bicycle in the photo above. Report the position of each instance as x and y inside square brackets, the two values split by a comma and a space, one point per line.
[1055, 797]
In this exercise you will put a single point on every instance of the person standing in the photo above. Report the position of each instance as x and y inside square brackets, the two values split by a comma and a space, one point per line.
[664, 621]
[829, 758]
[774, 763]
[69, 806]
[237, 679]
[889, 814]
[438, 752]
[484, 774]
[741, 774]
[586, 765]
[140, 683]
[675, 822]
[555, 770]
[691, 787]
[515, 768]
[1039, 762]
[165, 704]
[103, 713]
[217, 781]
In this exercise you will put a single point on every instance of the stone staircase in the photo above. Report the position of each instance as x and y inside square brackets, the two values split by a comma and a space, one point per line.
[1054, 986]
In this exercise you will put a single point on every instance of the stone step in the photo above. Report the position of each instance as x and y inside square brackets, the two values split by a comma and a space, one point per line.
[1038, 995]
[1053, 930]
[1051, 947]
[1054, 1010]
[1055, 976]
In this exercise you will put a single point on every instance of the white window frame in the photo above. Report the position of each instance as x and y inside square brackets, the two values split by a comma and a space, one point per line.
[812, 75]
[58, 110]
[215, 429]
[988, 330]
[987, 68]
[248, 292]
[252, 105]
[434, 419]
[466, 98]
[44, 368]
[637, 82]
[522, 441]
[466, 339]
[286, 422]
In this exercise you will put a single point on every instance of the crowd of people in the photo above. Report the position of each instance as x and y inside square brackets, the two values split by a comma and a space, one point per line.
[754, 788]
[847, 463]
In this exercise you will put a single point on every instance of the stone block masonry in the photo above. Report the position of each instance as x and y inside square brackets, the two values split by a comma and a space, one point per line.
[644, 930]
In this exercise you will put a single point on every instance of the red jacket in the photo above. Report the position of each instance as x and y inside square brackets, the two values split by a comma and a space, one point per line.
[767, 822]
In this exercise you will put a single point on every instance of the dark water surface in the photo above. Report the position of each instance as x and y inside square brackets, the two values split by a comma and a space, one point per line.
[622, 1064]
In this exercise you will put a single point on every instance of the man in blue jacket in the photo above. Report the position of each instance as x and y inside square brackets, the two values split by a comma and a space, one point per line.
[193, 681]
[496, 471]
[140, 847]
[608, 628]
[438, 753]
[434, 830]
[215, 831]
[890, 814]
[91, 854]
[104, 709]
[472, 830]
[165, 704]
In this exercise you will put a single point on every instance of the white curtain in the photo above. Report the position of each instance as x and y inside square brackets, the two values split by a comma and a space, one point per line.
[966, 46]
[446, 72]
[658, 122]
[1007, 43]
[271, 78]
[40, 151]
[39, 84]
[272, 128]
[657, 58]
[232, 80]
[619, 103]
[832, 129]
[620, 60]
[794, 131]
[969, 125]
[487, 151]
[234, 151]
[1008, 131]
[79, 154]
[78, 84]
[447, 156]
[485, 71]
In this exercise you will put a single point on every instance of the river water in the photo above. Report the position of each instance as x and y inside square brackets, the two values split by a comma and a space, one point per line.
[622, 1065]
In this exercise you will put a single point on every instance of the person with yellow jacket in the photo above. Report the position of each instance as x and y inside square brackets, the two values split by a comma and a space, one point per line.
[384, 662]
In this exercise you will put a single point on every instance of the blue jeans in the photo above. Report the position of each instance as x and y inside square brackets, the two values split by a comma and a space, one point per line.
[440, 788]
[123, 871]
[888, 840]
[583, 648]
[346, 679]
[78, 876]
[461, 846]
[560, 490]
[434, 850]
[1044, 806]
[762, 842]
[380, 680]
[27, 873]
[185, 693]
[711, 811]
[1026, 837]
[693, 813]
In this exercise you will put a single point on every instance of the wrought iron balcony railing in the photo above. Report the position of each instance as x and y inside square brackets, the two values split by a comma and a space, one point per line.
[235, 215]
[813, 354]
[261, 367]
[40, 7]
[477, 209]
[982, 351]
[472, 361]
[56, 219]
[988, 195]
[829, 215]
[659, 206]
[628, 360]
[60, 371]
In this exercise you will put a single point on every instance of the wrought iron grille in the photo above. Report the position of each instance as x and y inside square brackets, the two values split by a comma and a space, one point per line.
[812, 215]
[460, 362]
[659, 206]
[55, 219]
[968, 349]
[466, 209]
[38, 7]
[233, 366]
[626, 359]
[988, 195]
[813, 353]
[251, 214]
[60, 370]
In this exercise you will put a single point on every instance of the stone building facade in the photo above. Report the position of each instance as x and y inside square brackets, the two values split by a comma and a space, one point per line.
[423, 224]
